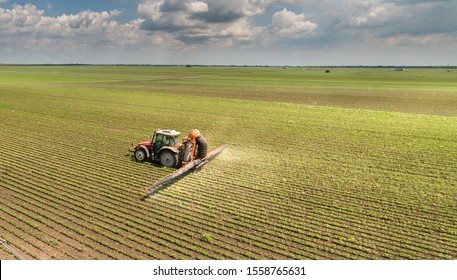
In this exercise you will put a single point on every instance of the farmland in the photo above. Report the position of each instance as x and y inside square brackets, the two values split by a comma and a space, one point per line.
[351, 164]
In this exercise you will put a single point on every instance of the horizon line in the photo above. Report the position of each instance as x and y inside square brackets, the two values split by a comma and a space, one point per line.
[228, 65]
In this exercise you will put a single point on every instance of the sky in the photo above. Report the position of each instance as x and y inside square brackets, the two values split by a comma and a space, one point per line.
[230, 32]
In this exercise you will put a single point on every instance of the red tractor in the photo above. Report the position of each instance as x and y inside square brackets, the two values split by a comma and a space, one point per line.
[165, 149]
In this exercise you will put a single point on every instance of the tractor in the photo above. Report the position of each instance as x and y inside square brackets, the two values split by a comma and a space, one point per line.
[165, 149]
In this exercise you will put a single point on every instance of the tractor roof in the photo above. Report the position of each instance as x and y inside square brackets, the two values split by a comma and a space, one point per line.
[168, 132]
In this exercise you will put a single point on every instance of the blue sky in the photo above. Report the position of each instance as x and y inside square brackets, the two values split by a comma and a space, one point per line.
[242, 32]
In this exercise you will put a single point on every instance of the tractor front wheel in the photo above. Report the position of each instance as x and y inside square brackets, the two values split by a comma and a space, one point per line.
[168, 158]
[140, 155]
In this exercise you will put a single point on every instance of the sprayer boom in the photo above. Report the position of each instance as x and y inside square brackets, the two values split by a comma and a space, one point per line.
[196, 163]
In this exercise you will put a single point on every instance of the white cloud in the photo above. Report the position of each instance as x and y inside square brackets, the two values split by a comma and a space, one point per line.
[197, 7]
[375, 15]
[196, 23]
[27, 28]
[20, 19]
[215, 22]
[287, 23]
[168, 16]
[28, 19]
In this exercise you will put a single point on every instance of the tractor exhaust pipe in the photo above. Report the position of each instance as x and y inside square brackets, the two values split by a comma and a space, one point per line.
[195, 163]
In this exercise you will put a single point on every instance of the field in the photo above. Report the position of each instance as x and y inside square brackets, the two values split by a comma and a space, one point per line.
[351, 164]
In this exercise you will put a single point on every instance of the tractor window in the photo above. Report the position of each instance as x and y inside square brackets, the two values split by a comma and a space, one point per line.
[159, 142]
[173, 141]
[162, 140]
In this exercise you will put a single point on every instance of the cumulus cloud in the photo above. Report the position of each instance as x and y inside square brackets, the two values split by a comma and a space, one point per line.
[163, 14]
[193, 22]
[215, 22]
[197, 7]
[28, 20]
[168, 15]
[27, 30]
[375, 15]
[287, 23]
[228, 11]
[20, 19]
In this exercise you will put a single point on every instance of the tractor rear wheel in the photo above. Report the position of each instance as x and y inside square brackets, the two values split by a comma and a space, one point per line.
[140, 155]
[168, 158]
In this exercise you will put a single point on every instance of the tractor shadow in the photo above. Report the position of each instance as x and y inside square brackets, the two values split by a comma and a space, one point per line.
[153, 163]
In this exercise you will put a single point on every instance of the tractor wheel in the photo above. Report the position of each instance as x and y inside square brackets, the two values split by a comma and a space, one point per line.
[168, 158]
[140, 155]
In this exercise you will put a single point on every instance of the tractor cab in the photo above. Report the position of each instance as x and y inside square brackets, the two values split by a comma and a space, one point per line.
[165, 138]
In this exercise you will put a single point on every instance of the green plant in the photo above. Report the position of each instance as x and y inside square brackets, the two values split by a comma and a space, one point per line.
[207, 238]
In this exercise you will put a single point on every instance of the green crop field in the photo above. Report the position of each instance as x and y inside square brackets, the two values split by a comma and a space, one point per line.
[351, 164]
